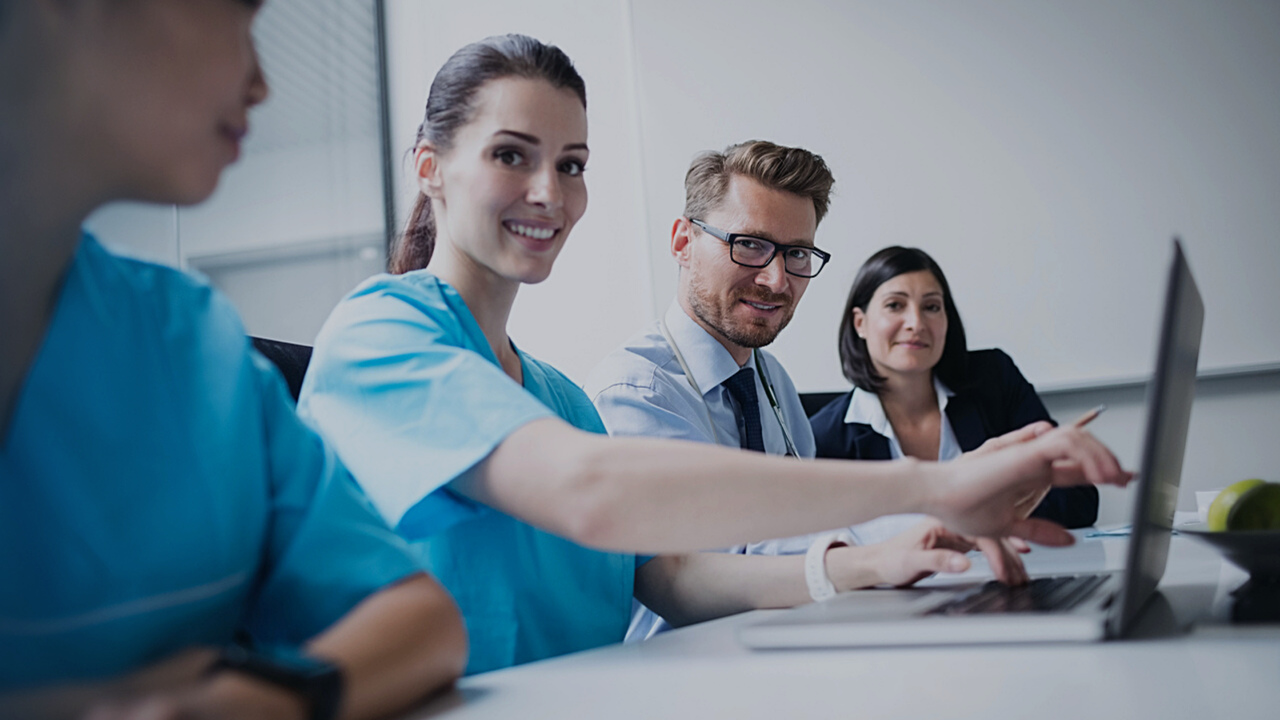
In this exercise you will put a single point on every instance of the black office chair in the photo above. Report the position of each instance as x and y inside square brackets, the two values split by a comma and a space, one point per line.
[290, 358]
[813, 402]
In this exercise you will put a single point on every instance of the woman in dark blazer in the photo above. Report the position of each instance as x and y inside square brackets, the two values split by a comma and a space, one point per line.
[918, 390]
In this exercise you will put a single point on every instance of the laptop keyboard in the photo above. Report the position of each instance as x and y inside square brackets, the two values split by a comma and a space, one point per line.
[1039, 595]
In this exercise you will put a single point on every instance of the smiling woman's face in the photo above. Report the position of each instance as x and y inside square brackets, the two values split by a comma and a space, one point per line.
[905, 325]
[510, 189]
[162, 90]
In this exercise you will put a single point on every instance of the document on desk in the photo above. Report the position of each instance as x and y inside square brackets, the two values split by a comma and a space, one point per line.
[1180, 518]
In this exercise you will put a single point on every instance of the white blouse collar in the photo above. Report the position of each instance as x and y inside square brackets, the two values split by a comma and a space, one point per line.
[865, 407]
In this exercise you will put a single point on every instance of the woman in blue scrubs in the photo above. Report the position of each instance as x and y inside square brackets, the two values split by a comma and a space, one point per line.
[495, 465]
[173, 541]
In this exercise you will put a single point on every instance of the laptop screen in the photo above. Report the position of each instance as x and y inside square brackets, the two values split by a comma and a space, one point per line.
[1169, 397]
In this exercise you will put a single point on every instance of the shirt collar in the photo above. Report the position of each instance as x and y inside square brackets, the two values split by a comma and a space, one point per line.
[708, 360]
[865, 407]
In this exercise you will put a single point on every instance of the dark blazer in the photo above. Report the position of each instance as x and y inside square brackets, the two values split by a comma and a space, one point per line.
[994, 399]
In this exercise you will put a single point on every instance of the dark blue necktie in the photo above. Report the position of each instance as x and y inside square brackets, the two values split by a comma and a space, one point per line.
[742, 386]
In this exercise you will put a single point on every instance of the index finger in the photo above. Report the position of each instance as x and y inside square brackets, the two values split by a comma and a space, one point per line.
[1086, 459]
[1014, 437]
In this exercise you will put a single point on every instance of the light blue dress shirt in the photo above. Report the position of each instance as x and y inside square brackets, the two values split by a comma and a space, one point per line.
[640, 389]
[157, 490]
[404, 384]
[865, 407]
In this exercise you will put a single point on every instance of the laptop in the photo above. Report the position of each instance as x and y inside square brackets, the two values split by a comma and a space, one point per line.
[1081, 608]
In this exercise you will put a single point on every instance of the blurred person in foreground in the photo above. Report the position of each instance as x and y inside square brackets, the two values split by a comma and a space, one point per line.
[173, 541]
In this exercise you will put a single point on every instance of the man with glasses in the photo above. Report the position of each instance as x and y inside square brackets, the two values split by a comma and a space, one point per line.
[745, 248]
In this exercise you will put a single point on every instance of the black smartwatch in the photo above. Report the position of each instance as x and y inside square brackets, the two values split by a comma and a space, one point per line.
[317, 682]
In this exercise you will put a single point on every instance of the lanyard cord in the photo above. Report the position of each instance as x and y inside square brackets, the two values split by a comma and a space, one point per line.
[764, 382]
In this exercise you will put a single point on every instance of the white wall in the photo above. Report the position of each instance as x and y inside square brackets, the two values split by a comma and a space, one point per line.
[1044, 152]
[1053, 145]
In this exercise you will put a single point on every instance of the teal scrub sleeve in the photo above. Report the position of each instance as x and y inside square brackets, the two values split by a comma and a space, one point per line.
[403, 384]
[327, 548]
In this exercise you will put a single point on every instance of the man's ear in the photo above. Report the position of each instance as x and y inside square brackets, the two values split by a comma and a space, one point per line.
[427, 168]
[681, 247]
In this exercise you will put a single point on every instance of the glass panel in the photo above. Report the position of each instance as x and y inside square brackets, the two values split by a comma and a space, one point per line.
[299, 221]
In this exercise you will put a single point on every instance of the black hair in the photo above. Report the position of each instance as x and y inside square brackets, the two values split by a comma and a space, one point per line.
[451, 104]
[880, 268]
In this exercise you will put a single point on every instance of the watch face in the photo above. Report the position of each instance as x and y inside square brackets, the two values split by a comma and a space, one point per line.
[300, 663]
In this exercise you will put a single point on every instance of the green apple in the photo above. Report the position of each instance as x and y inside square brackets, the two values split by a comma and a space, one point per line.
[1257, 508]
[1221, 506]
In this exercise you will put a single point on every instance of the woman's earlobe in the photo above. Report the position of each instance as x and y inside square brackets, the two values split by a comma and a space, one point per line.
[427, 170]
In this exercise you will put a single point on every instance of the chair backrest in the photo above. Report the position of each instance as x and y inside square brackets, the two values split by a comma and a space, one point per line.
[813, 402]
[292, 360]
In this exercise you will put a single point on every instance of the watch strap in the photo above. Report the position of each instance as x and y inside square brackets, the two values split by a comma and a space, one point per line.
[815, 564]
[318, 682]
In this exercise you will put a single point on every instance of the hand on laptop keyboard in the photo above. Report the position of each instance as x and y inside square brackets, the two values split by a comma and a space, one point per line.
[927, 548]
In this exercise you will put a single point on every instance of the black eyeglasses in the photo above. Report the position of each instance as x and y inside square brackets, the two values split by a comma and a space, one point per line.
[753, 252]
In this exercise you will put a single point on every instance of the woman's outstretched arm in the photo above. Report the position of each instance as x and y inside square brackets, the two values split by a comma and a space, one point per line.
[662, 496]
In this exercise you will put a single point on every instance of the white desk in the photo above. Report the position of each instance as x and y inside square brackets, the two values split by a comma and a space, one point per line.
[1214, 670]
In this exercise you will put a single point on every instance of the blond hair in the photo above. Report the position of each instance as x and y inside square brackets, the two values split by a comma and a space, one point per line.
[792, 170]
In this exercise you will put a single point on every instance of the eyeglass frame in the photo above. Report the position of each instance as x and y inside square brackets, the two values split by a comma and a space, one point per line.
[731, 239]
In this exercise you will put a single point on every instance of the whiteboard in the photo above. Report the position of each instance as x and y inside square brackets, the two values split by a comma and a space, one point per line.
[1044, 153]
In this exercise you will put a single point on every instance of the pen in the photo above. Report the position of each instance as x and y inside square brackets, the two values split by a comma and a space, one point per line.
[1089, 417]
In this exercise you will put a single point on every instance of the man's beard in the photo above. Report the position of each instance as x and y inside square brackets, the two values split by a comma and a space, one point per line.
[749, 334]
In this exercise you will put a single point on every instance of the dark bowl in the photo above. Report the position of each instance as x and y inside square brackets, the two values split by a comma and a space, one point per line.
[1255, 551]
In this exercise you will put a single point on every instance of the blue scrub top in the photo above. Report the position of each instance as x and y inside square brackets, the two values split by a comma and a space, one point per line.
[404, 384]
[158, 491]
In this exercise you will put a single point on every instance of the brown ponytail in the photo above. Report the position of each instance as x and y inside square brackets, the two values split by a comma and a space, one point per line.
[414, 246]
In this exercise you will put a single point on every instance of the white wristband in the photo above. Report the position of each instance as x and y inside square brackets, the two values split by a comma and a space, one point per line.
[815, 564]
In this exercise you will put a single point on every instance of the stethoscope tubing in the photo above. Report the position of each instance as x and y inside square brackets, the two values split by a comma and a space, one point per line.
[764, 382]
